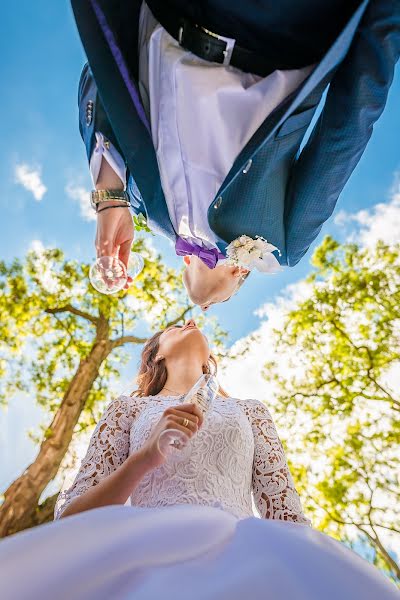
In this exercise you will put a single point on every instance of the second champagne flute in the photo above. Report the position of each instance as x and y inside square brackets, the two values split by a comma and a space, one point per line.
[173, 443]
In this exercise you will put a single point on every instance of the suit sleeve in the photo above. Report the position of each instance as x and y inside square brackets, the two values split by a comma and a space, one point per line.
[93, 119]
[356, 98]
[92, 116]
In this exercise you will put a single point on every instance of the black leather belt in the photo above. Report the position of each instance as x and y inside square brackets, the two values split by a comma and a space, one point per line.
[209, 45]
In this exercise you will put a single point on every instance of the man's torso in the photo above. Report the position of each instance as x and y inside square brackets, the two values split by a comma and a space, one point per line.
[267, 206]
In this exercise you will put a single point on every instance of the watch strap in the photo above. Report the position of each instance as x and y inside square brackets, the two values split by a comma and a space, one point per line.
[99, 196]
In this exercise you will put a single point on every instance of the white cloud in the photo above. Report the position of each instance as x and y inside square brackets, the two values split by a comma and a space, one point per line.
[341, 218]
[37, 246]
[82, 196]
[44, 267]
[380, 222]
[30, 178]
[242, 377]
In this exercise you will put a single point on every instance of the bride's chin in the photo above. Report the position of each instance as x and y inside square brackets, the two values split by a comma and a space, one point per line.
[195, 336]
[191, 331]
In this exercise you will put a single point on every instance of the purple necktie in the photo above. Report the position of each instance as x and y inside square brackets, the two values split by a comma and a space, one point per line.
[209, 256]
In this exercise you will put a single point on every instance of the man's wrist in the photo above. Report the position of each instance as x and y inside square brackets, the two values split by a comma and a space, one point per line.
[100, 198]
[110, 203]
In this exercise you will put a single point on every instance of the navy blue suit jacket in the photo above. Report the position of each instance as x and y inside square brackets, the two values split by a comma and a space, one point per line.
[272, 190]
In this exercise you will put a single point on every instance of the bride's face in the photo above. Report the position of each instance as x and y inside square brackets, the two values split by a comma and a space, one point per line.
[178, 341]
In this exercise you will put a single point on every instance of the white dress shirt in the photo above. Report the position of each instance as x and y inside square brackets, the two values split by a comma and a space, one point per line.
[105, 149]
[202, 115]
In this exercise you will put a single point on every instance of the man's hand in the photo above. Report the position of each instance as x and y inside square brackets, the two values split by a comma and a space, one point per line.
[114, 233]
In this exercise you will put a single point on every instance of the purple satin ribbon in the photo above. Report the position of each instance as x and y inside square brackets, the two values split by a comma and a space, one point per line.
[209, 256]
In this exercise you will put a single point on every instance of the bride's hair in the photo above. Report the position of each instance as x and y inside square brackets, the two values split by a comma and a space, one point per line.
[153, 374]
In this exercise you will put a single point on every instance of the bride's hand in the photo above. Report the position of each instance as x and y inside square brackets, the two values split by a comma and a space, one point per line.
[173, 418]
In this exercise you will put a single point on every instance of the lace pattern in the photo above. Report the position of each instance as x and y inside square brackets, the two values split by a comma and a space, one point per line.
[236, 452]
[108, 449]
[275, 495]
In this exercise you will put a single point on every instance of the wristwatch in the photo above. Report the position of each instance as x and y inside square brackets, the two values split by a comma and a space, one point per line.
[99, 196]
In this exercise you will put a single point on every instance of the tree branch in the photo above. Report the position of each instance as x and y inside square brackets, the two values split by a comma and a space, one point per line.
[133, 339]
[395, 406]
[71, 339]
[348, 338]
[354, 523]
[127, 339]
[315, 391]
[75, 311]
[392, 564]
[387, 394]
[368, 351]
[181, 316]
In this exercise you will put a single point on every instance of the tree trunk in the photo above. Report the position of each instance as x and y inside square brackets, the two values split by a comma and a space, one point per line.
[45, 511]
[20, 509]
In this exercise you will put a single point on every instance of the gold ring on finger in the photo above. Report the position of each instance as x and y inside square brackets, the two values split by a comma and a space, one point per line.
[185, 422]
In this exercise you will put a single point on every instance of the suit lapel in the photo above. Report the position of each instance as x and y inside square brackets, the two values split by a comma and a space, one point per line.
[330, 61]
[122, 104]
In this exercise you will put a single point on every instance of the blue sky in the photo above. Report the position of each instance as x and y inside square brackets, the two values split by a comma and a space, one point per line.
[41, 62]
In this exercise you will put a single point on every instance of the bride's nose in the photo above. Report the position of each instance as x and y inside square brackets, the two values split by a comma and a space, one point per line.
[190, 323]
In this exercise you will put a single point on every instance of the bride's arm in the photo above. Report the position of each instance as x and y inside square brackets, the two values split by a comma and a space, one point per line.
[108, 475]
[274, 493]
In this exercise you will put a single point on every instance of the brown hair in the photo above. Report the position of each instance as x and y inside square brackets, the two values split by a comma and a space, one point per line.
[153, 374]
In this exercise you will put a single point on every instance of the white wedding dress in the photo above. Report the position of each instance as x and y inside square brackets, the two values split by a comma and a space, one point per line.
[190, 533]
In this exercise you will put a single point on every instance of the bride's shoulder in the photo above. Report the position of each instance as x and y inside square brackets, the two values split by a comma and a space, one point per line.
[254, 408]
[128, 404]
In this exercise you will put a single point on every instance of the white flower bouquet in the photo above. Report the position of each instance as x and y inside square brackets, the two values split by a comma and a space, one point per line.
[253, 253]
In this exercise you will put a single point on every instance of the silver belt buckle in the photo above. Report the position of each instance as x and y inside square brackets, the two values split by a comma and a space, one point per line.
[230, 44]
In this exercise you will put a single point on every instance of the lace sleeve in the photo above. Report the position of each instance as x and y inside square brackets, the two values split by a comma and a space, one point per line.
[108, 449]
[273, 488]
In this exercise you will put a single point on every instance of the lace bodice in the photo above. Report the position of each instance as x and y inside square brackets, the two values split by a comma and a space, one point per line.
[236, 454]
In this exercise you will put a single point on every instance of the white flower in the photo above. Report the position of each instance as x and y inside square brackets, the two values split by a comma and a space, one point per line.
[251, 253]
[261, 244]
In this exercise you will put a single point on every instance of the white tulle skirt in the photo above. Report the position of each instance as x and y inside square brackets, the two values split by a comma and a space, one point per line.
[182, 553]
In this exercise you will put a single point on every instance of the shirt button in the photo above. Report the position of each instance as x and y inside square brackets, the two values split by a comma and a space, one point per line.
[218, 203]
[247, 166]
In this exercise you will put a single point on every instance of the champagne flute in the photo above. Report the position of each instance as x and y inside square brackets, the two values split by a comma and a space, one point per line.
[173, 443]
[108, 274]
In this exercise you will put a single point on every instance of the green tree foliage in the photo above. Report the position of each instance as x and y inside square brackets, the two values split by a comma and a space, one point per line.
[62, 343]
[337, 398]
